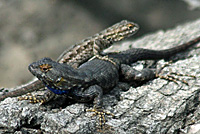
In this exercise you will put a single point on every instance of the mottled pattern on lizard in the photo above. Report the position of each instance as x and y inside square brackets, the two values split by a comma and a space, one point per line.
[82, 51]
[93, 45]
[95, 77]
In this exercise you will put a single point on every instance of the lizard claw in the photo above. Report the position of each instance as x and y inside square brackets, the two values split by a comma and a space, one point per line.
[171, 75]
[38, 98]
[101, 113]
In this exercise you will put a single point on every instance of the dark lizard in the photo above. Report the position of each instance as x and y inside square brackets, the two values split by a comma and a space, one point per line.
[97, 76]
[82, 51]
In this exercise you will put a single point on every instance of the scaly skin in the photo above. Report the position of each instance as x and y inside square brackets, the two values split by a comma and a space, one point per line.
[95, 77]
[83, 51]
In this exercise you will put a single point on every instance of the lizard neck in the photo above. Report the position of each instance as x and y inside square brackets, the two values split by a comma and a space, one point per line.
[72, 74]
[63, 78]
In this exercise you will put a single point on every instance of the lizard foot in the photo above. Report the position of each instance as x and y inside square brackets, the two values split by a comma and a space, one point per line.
[38, 99]
[101, 113]
[170, 76]
[32, 98]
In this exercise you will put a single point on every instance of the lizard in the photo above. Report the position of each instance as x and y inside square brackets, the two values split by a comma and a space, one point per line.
[82, 51]
[97, 76]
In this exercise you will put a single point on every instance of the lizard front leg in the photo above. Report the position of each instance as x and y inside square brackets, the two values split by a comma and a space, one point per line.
[94, 93]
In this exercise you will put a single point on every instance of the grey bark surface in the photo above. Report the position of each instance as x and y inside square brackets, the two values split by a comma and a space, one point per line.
[158, 106]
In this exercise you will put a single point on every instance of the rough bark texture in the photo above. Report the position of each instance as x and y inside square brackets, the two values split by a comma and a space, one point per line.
[158, 106]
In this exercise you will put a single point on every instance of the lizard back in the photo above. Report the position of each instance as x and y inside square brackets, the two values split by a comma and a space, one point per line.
[90, 46]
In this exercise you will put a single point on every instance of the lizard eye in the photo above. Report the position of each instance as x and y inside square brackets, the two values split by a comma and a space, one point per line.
[45, 67]
[130, 26]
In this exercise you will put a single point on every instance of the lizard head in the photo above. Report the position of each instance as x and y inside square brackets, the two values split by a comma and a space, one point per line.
[56, 76]
[121, 30]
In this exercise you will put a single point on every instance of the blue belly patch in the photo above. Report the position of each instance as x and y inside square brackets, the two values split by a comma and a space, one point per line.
[58, 91]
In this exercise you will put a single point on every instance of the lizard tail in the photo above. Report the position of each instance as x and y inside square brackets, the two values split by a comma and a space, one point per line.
[135, 54]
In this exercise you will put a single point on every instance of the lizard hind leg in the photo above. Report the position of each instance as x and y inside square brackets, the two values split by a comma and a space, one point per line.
[130, 74]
